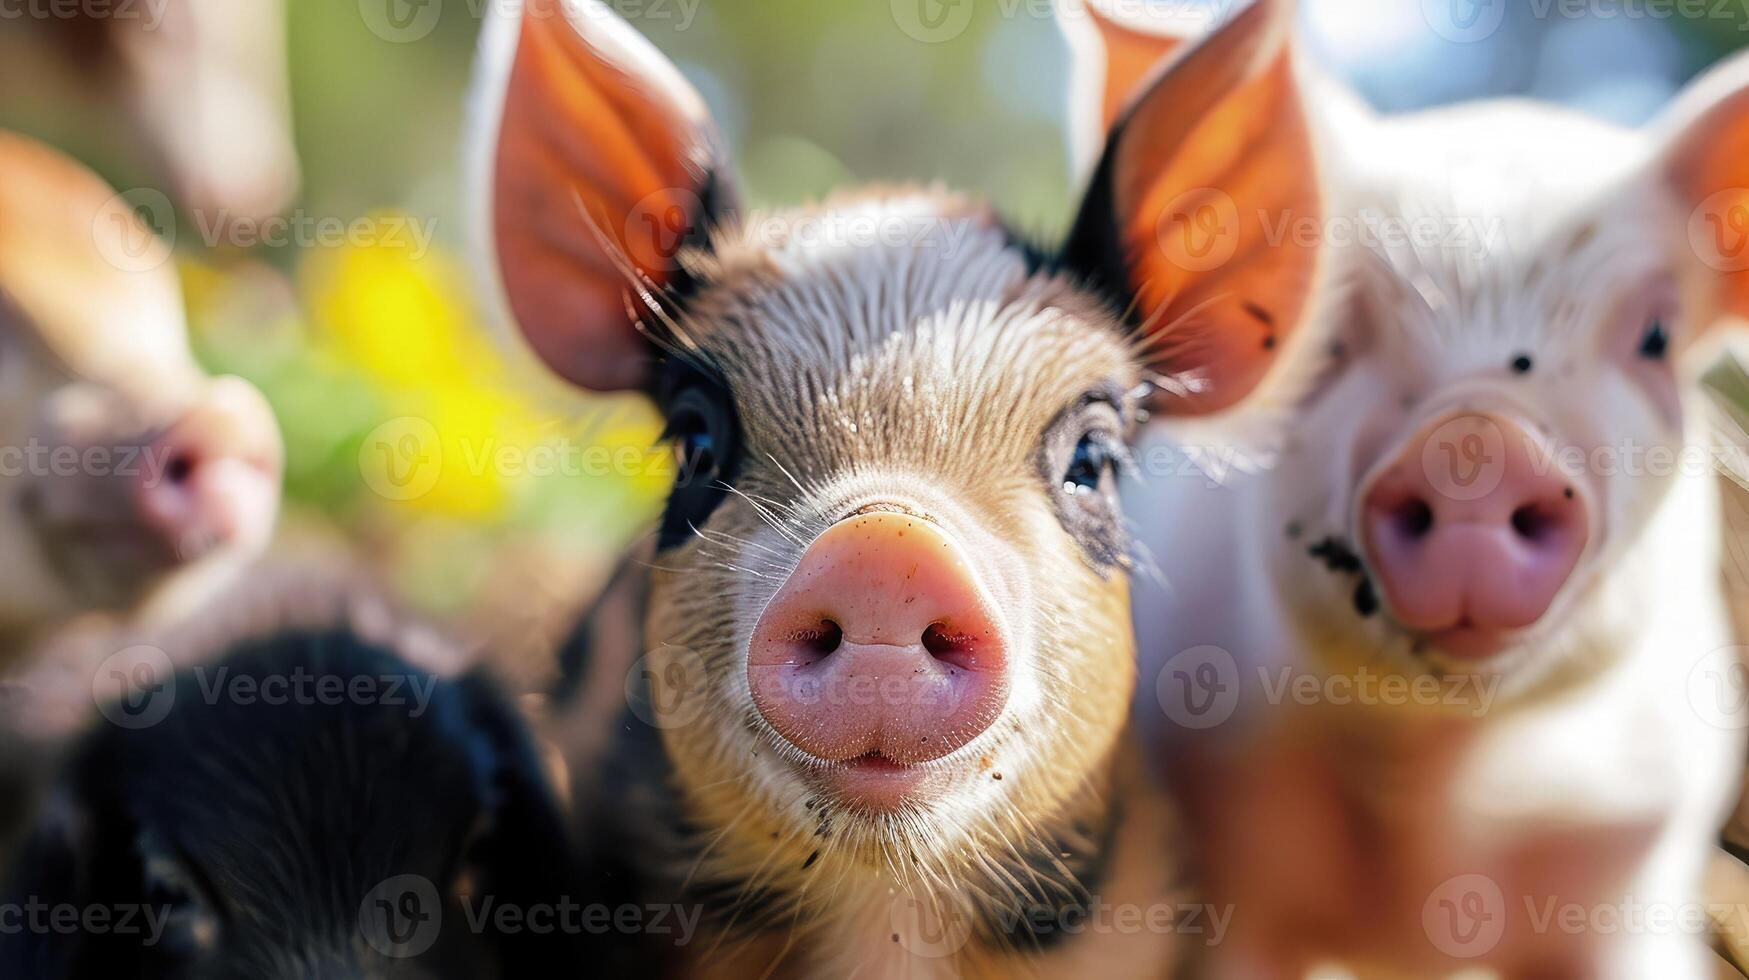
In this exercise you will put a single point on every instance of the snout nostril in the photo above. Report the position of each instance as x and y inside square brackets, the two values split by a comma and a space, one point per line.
[1530, 522]
[1414, 518]
[822, 639]
[937, 641]
[179, 469]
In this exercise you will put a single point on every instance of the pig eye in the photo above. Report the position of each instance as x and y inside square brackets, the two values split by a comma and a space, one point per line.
[702, 429]
[1089, 465]
[1082, 453]
[1655, 342]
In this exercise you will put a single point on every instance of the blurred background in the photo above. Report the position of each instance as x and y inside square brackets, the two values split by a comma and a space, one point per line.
[304, 158]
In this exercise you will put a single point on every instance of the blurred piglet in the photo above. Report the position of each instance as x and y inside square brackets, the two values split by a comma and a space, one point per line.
[1458, 661]
[203, 87]
[879, 726]
[130, 481]
[308, 803]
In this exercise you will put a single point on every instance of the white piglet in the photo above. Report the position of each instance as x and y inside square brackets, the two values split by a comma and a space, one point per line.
[1443, 681]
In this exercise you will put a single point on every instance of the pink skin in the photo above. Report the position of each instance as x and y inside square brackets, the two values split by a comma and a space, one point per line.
[1471, 531]
[880, 652]
[212, 478]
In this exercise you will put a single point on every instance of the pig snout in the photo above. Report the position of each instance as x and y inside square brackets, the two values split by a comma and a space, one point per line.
[1471, 531]
[881, 648]
[214, 474]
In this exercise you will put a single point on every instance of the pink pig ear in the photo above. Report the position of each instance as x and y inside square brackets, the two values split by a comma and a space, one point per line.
[594, 163]
[1195, 213]
[1705, 163]
[1110, 58]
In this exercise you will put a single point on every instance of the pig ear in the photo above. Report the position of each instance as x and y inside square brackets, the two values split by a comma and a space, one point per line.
[1705, 162]
[1109, 59]
[1191, 218]
[593, 163]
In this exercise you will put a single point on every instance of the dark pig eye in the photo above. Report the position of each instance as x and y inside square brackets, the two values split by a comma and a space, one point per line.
[1655, 342]
[705, 437]
[1088, 467]
[1082, 452]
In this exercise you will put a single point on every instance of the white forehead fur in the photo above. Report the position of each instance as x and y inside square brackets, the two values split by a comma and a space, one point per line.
[1496, 224]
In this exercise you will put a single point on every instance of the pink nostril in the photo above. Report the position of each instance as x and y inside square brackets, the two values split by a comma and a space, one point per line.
[1472, 526]
[213, 477]
[179, 469]
[880, 644]
[822, 639]
[1414, 518]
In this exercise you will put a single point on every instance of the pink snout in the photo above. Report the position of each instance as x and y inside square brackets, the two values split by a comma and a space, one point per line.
[212, 479]
[1472, 531]
[881, 648]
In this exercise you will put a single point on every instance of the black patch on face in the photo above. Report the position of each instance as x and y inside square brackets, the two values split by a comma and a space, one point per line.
[1336, 555]
[1366, 601]
[1094, 248]
[705, 431]
[1079, 458]
[1522, 364]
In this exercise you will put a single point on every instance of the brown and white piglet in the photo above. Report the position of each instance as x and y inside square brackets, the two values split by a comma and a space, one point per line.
[1445, 678]
[130, 481]
[884, 622]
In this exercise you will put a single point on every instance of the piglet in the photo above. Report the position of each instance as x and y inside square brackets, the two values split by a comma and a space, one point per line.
[306, 803]
[1447, 676]
[879, 646]
[130, 481]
